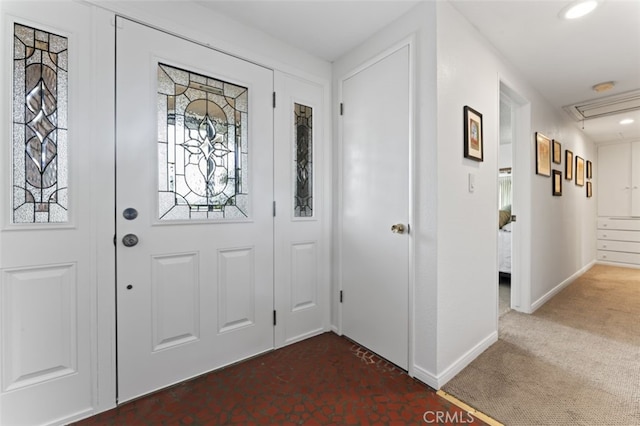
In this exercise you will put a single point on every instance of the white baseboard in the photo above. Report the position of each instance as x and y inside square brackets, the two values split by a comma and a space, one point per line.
[425, 376]
[618, 264]
[544, 299]
[437, 381]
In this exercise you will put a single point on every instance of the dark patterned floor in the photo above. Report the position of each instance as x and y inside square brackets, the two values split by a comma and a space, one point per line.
[325, 380]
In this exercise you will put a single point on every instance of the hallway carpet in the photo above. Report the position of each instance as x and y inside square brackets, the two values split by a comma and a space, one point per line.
[324, 380]
[575, 361]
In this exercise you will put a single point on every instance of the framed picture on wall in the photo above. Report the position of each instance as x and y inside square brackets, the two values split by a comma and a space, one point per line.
[543, 155]
[589, 170]
[579, 171]
[557, 152]
[589, 190]
[568, 165]
[473, 141]
[557, 182]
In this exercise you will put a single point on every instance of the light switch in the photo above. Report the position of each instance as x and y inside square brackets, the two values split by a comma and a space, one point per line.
[472, 182]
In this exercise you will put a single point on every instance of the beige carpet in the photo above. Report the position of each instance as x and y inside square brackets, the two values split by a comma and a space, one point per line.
[575, 361]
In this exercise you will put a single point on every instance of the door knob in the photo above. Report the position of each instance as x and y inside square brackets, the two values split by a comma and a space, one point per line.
[130, 240]
[398, 228]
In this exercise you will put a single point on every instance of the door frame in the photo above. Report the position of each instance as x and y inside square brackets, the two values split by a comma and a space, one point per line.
[409, 42]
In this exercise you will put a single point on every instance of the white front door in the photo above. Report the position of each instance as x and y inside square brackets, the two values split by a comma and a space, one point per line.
[194, 142]
[375, 196]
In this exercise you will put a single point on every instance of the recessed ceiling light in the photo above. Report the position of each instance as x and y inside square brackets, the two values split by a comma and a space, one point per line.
[626, 121]
[578, 9]
[603, 87]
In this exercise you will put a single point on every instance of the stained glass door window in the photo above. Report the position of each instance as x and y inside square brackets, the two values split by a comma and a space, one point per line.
[40, 170]
[303, 161]
[202, 146]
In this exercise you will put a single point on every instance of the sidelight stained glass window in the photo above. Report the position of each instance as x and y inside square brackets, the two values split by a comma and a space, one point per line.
[202, 146]
[303, 159]
[40, 170]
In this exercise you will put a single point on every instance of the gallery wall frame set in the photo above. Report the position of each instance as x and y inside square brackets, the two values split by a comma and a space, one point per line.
[473, 139]
[549, 151]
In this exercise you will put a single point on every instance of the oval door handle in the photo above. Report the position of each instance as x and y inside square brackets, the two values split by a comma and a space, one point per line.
[398, 228]
[130, 240]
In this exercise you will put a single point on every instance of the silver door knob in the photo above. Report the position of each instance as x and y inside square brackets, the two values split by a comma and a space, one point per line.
[130, 240]
[398, 228]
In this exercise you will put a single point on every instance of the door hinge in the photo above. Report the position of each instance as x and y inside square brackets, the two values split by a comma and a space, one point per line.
[274, 99]
[513, 218]
[274, 317]
[114, 240]
[340, 296]
[341, 108]
[274, 209]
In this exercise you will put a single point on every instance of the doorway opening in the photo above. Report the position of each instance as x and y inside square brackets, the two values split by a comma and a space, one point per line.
[512, 175]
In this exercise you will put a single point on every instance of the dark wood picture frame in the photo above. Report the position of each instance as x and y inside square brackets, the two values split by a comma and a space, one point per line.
[579, 171]
[568, 165]
[589, 170]
[589, 190]
[557, 182]
[473, 139]
[557, 152]
[543, 155]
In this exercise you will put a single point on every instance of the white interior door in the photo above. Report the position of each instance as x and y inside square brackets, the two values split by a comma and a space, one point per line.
[375, 196]
[194, 140]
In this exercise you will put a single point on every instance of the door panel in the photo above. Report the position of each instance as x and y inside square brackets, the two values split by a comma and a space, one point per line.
[47, 273]
[375, 196]
[300, 260]
[194, 142]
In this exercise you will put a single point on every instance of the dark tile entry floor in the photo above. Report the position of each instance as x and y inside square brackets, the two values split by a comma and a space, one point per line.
[324, 380]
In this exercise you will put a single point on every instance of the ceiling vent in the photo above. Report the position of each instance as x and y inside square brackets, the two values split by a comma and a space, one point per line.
[625, 102]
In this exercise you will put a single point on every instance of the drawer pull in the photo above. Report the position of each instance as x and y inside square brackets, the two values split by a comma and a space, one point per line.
[604, 235]
[604, 246]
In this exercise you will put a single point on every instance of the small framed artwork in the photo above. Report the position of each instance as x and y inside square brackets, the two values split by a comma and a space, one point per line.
[473, 141]
[557, 182]
[543, 155]
[557, 152]
[568, 165]
[579, 171]
[589, 190]
[589, 170]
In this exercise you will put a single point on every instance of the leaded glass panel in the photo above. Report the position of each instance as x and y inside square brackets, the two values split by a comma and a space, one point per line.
[303, 161]
[202, 146]
[40, 178]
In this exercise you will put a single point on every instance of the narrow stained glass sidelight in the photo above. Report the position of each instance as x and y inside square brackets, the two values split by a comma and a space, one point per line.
[303, 131]
[40, 172]
[202, 147]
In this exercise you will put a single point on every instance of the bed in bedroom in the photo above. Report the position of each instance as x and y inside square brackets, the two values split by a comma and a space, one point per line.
[504, 242]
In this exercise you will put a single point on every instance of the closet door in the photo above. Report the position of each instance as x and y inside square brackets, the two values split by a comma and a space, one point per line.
[635, 179]
[614, 180]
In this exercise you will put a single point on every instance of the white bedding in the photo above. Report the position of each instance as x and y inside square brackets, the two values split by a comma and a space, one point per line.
[504, 249]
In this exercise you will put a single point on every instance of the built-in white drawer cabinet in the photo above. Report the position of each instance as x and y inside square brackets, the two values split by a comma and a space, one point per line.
[619, 240]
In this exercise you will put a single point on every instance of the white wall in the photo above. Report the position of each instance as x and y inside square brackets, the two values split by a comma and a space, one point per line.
[562, 229]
